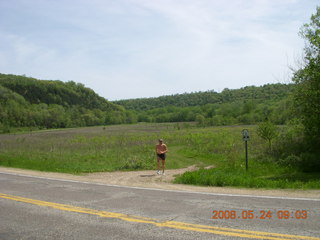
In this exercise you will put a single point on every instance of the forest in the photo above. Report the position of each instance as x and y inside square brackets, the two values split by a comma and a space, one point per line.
[29, 102]
[248, 105]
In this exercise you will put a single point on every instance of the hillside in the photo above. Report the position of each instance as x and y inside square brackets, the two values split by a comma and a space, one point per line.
[55, 92]
[29, 102]
[33, 103]
[247, 105]
[258, 94]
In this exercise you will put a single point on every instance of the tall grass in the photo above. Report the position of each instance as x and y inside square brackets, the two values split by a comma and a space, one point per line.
[79, 150]
[265, 175]
[123, 147]
[132, 147]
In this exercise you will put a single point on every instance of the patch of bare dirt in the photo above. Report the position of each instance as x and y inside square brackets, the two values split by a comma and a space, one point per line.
[150, 179]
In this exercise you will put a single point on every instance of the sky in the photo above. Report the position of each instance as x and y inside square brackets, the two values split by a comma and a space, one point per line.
[125, 49]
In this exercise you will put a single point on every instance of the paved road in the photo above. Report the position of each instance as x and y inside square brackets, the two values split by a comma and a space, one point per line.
[39, 208]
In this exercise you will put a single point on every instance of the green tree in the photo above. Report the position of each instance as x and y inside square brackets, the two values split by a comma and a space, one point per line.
[268, 131]
[307, 79]
[200, 119]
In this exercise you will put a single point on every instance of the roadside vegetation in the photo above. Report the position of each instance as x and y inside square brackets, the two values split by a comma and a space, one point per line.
[132, 147]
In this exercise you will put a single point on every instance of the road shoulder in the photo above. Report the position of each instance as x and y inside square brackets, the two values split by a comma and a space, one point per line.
[149, 179]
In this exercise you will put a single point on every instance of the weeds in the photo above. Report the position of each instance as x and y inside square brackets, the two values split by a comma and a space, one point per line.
[132, 147]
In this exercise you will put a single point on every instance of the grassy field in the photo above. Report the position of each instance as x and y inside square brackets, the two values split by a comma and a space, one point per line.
[132, 147]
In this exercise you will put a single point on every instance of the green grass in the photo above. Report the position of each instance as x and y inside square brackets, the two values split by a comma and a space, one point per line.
[132, 147]
[110, 148]
[254, 178]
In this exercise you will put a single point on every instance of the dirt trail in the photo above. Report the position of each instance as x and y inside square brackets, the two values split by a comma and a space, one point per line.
[149, 179]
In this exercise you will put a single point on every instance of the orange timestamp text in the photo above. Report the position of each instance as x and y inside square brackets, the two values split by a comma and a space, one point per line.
[263, 214]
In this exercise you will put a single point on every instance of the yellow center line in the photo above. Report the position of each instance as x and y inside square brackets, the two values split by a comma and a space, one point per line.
[170, 224]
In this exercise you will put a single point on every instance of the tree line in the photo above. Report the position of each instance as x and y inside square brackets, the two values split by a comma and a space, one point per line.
[29, 102]
[247, 105]
[258, 94]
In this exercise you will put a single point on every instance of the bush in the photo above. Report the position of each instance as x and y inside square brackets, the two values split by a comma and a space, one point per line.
[290, 161]
[4, 128]
[267, 131]
[310, 162]
[291, 149]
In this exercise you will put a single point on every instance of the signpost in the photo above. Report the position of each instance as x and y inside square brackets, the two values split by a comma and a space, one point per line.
[246, 137]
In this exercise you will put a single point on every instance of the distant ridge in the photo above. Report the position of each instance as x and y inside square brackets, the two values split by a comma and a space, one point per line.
[266, 92]
[29, 102]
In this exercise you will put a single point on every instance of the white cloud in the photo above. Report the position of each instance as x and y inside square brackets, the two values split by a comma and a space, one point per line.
[141, 48]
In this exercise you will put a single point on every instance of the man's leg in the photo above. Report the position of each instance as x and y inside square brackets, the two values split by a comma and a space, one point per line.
[158, 165]
[163, 164]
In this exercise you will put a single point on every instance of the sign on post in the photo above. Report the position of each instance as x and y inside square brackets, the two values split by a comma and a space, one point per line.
[246, 137]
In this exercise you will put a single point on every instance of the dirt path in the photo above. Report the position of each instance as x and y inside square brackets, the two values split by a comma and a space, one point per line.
[149, 179]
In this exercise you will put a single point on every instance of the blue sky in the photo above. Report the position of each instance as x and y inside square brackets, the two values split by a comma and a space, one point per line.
[147, 48]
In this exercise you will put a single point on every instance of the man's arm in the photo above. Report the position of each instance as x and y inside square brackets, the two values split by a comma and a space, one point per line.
[165, 149]
[158, 149]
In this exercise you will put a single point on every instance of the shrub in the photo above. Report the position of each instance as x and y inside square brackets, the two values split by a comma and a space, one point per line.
[268, 131]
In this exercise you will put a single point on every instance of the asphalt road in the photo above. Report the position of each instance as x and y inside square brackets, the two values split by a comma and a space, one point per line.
[40, 208]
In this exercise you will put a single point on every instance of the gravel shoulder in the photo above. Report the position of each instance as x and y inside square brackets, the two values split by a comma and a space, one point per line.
[149, 179]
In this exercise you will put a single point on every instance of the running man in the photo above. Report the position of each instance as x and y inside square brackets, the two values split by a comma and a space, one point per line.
[161, 150]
